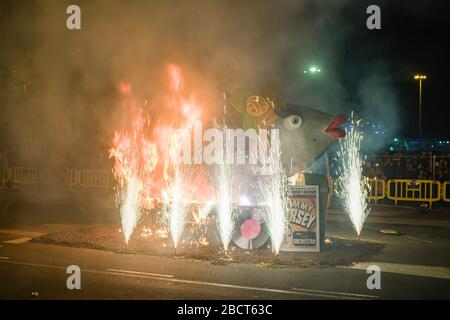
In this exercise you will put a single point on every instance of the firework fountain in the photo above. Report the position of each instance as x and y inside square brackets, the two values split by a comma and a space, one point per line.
[272, 191]
[177, 213]
[135, 158]
[224, 202]
[129, 210]
[144, 166]
[175, 202]
[353, 187]
[150, 179]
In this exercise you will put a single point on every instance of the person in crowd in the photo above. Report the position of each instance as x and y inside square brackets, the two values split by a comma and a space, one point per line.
[405, 165]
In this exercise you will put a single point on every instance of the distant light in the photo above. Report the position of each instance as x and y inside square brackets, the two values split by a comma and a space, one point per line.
[391, 148]
[420, 77]
[312, 69]
[395, 139]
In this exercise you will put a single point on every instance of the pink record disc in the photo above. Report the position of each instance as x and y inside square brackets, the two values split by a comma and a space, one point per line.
[250, 229]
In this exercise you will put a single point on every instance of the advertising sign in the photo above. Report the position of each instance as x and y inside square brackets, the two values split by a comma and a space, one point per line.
[302, 232]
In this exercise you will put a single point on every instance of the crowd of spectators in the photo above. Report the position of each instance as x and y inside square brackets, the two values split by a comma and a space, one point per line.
[405, 165]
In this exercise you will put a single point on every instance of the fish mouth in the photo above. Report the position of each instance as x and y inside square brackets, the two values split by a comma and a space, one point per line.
[333, 129]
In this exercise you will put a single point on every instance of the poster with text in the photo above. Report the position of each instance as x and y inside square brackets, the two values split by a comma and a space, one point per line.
[302, 233]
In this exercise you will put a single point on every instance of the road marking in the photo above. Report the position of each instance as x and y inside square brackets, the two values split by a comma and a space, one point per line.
[194, 282]
[141, 273]
[232, 286]
[32, 234]
[419, 239]
[407, 269]
[18, 240]
[5, 258]
[338, 293]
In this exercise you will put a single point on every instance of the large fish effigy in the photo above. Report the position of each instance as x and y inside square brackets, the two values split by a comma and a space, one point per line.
[305, 133]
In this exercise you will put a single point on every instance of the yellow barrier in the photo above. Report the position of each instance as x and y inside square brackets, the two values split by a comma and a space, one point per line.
[7, 176]
[94, 178]
[397, 189]
[88, 178]
[71, 178]
[377, 189]
[446, 191]
[414, 190]
[25, 176]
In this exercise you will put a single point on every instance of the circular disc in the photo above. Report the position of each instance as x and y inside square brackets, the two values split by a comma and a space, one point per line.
[250, 232]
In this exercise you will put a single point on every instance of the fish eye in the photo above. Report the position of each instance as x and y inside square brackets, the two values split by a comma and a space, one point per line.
[292, 122]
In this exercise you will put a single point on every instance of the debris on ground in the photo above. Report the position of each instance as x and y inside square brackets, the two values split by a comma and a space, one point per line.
[390, 232]
[336, 251]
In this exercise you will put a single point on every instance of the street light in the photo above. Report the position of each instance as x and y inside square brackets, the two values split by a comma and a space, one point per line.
[312, 70]
[420, 77]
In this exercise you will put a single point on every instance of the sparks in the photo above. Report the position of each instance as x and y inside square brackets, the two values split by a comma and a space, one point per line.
[177, 213]
[272, 195]
[143, 157]
[224, 203]
[135, 157]
[353, 187]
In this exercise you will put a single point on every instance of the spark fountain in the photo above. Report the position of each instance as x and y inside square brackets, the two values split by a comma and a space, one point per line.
[177, 212]
[353, 187]
[272, 193]
[142, 153]
[224, 203]
[135, 157]
[129, 210]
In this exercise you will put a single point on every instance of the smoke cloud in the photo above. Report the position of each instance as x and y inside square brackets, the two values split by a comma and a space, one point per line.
[61, 85]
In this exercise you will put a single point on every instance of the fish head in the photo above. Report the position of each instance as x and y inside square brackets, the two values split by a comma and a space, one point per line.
[305, 134]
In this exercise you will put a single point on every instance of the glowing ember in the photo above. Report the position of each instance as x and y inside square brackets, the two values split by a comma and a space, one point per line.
[352, 186]
[201, 214]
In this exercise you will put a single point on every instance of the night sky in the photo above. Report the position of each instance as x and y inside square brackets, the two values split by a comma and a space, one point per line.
[369, 71]
[414, 39]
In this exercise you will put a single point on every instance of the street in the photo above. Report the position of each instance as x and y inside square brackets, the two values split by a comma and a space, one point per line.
[414, 265]
[172, 151]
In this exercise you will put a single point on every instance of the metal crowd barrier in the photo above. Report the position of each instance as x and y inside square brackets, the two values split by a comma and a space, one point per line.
[94, 178]
[24, 176]
[377, 189]
[428, 191]
[396, 190]
[414, 190]
[28, 177]
[446, 191]
[88, 178]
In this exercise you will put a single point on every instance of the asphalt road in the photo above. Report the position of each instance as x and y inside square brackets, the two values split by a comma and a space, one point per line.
[414, 265]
